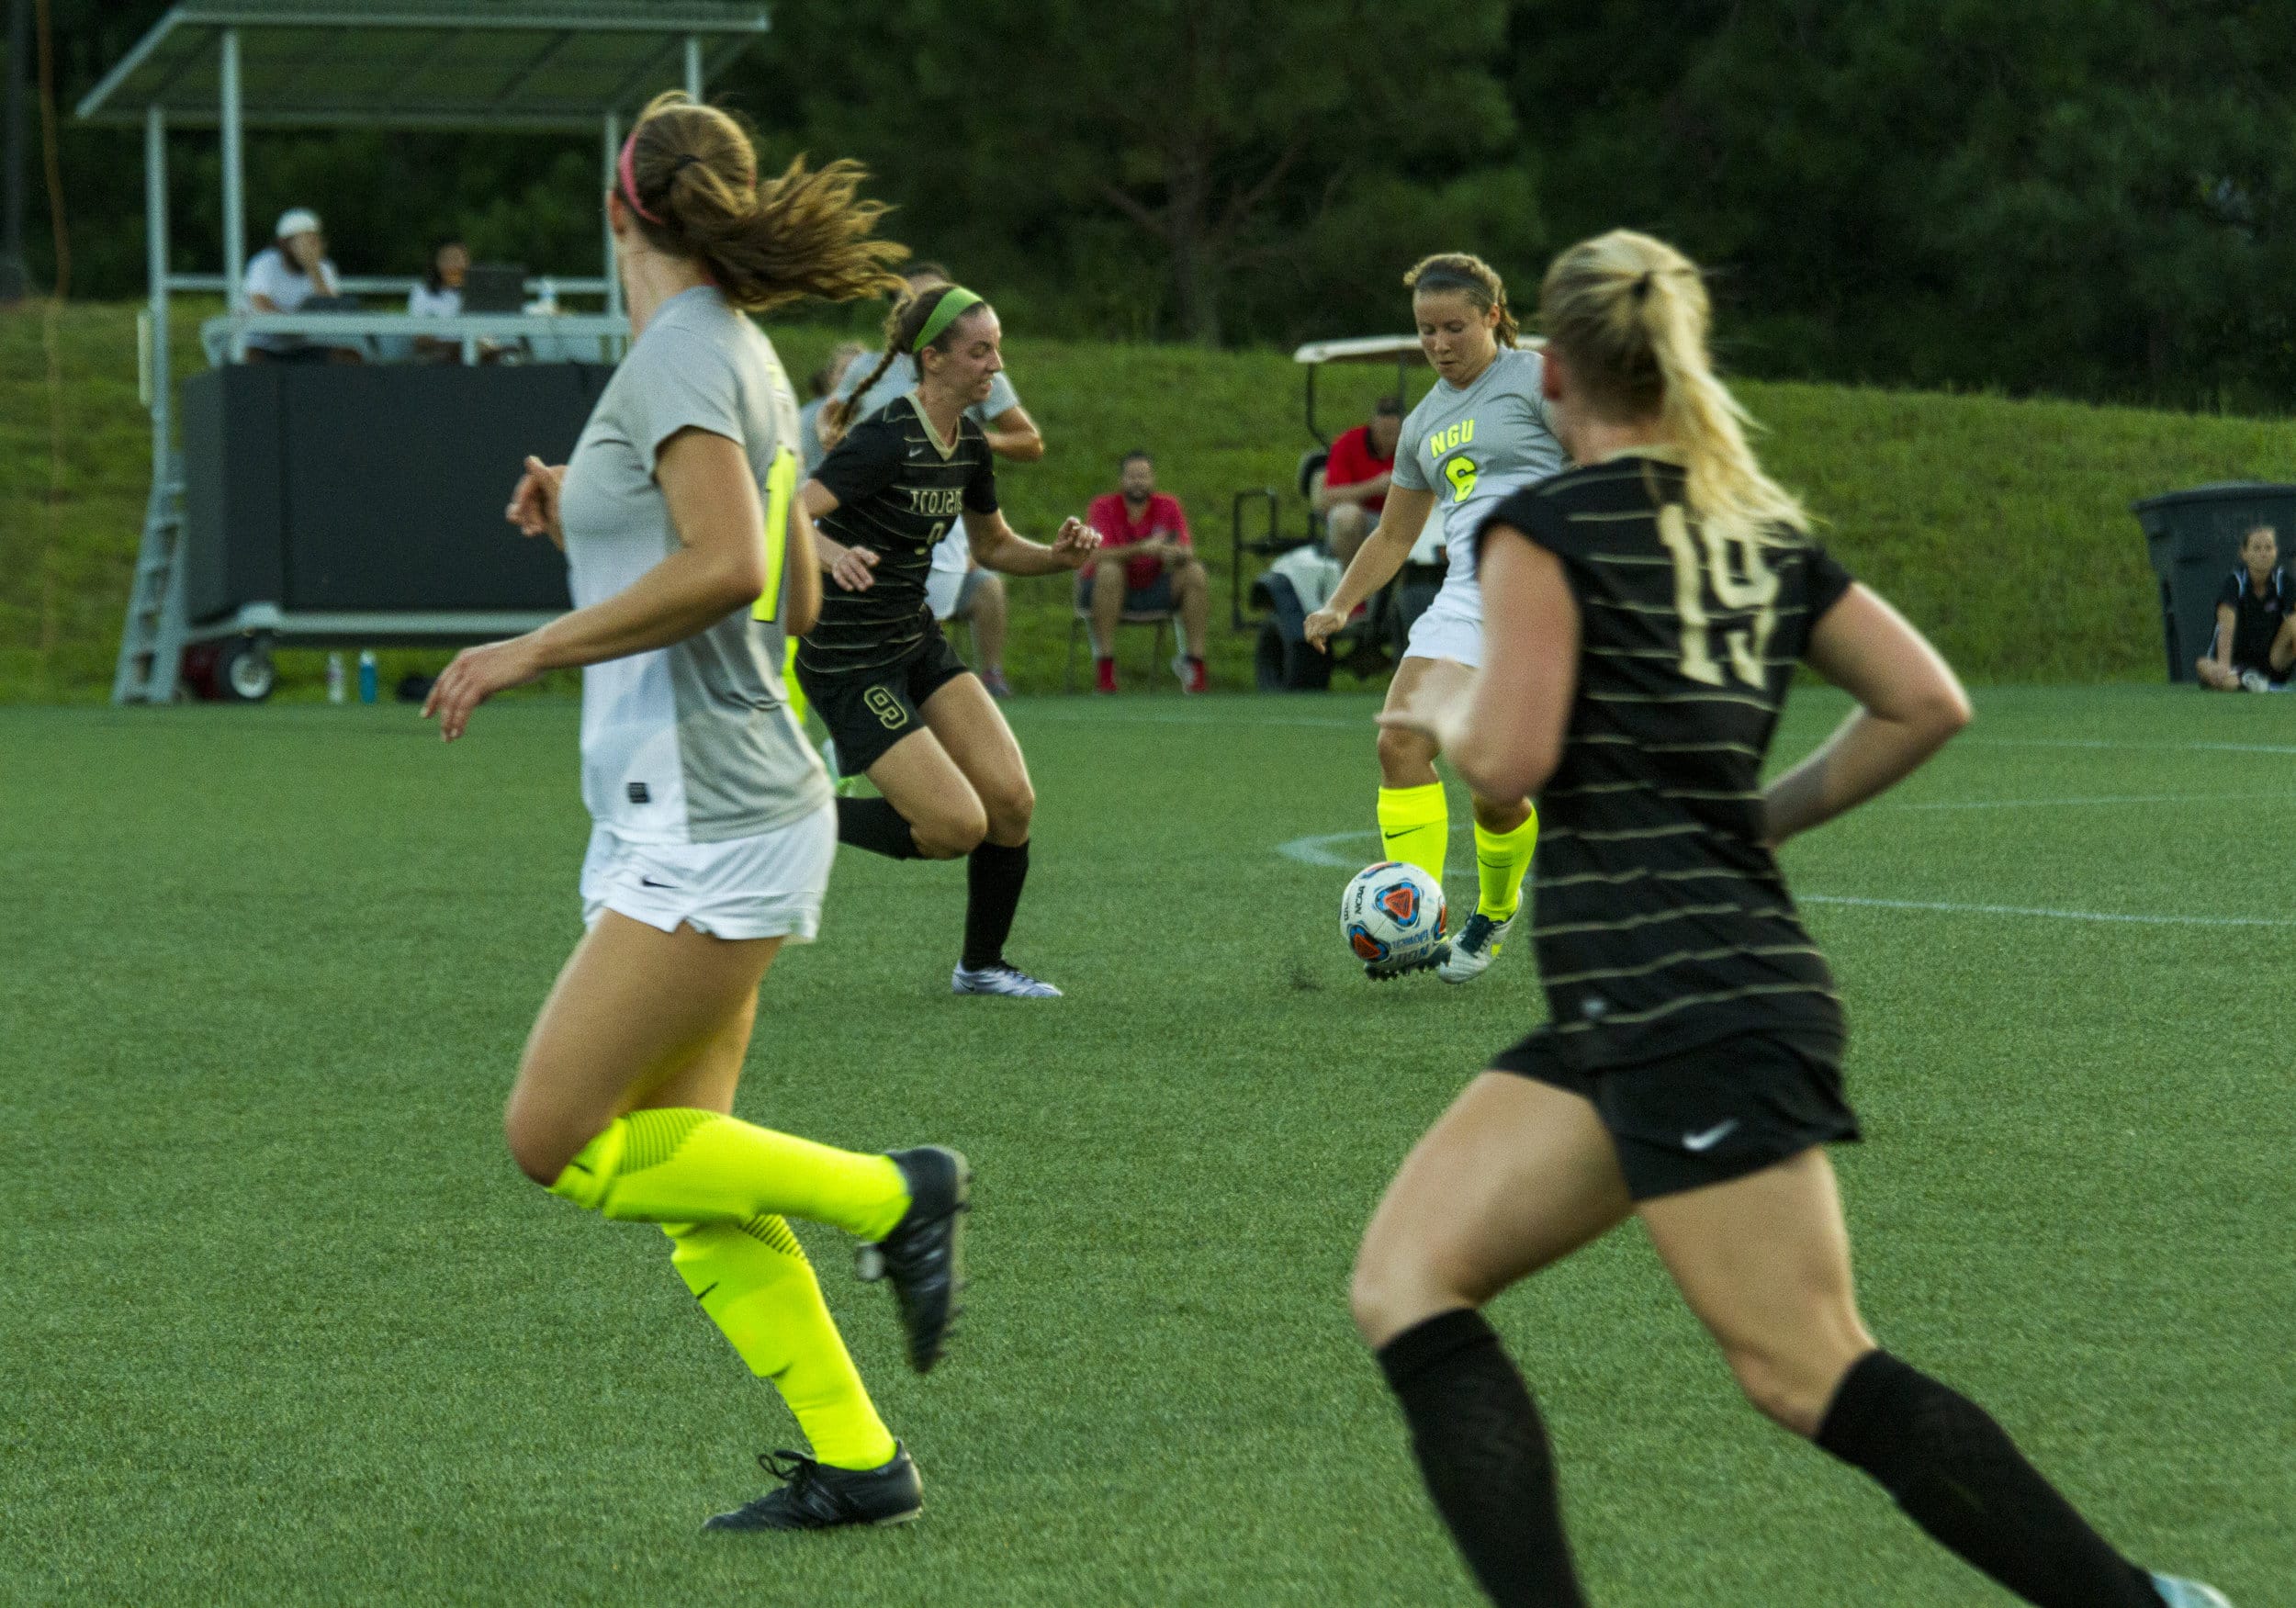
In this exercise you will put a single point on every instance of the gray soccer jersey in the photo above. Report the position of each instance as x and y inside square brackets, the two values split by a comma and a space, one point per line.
[1474, 447]
[691, 743]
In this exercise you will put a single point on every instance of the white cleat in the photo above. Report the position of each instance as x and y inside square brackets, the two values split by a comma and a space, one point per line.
[1009, 981]
[2178, 1593]
[1475, 948]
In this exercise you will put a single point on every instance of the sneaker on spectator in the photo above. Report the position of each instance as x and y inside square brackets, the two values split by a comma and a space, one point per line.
[1105, 672]
[2253, 682]
[1190, 671]
[995, 683]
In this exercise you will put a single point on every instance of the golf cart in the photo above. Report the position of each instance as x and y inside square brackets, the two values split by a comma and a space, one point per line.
[1299, 572]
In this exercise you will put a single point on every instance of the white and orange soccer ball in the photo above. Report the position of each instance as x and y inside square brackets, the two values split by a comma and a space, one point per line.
[1391, 915]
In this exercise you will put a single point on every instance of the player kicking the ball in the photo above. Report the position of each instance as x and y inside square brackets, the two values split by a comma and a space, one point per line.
[1478, 434]
[1644, 615]
[901, 706]
[713, 827]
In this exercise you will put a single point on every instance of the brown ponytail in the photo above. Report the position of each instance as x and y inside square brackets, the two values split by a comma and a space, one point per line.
[903, 325]
[1629, 316]
[694, 192]
[1473, 278]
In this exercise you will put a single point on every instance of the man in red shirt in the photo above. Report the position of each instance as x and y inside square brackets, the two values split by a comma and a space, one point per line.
[1355, 478]
[1146, 565]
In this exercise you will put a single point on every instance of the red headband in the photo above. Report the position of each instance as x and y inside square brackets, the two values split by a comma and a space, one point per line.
[629, 180]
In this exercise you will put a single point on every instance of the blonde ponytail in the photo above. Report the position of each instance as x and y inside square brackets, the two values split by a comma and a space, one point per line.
[1629, 316]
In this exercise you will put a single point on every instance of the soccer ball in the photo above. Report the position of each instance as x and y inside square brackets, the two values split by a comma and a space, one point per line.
[1391, 915]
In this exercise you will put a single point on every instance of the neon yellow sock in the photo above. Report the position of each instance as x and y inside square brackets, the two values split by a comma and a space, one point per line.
[681, 1165]
[789, 680]
[1501, 858]
[1415, 825]
[753, 1280]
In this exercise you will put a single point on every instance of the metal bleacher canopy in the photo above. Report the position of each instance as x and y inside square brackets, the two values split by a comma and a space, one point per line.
[554, 65]
[543, 66]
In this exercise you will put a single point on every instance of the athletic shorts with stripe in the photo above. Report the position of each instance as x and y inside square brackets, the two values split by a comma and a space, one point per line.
[869, 711]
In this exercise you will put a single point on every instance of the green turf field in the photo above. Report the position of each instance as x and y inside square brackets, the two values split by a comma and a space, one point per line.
[279, 1322]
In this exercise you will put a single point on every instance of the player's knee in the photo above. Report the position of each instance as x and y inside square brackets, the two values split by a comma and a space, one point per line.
[1403, 754]
[950, 834]
[1792, 1391]
[1010, 807]
[539, 1150]
[1394, 1287]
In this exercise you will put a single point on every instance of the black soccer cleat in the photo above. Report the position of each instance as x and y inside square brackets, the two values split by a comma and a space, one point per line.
[1385, 971]
[921, 1255]
[813, 1496]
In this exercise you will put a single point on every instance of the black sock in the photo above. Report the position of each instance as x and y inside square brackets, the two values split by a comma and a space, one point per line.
[874, 825]
[1483, 1452]
[1957, 1474]
[993, 875]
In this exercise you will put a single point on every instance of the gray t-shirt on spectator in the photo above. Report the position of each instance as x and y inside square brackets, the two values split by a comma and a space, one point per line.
[691, 743]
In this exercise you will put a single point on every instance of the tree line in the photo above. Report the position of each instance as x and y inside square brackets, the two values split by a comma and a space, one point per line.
[2093, 199]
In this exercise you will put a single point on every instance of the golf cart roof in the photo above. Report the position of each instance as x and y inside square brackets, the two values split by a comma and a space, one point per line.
[1361, 349]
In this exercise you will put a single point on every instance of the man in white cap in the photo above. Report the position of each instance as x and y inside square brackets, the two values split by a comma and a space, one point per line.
[284, 275]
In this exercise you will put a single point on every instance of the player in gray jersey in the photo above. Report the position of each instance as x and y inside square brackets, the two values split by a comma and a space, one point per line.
[1481, 434]
[693, 562]
[1647, 614]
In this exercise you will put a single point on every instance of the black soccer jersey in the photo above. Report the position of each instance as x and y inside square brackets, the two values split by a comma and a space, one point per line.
[1661, 919]
[899, 487]
[2256, 620]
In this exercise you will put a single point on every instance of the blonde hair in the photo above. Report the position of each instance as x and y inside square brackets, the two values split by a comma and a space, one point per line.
[1471, 278]
[694, 169]
[1628, 315]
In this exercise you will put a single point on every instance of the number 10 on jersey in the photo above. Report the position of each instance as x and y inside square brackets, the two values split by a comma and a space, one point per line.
[781, 493]
[1750, 587]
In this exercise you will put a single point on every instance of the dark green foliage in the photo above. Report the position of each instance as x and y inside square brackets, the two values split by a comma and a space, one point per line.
[284, 1324]
[2084, 197]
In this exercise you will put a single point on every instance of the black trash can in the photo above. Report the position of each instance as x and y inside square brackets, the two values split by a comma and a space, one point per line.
[2194, 539]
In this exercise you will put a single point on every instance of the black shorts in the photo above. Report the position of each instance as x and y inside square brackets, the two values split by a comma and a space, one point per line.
[1710, 1114]
[869, 711]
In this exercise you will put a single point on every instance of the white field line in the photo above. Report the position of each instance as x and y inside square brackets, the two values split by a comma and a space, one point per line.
[1104, 713]
[2036, 804]
[2182, 747]
[1956, 909]
[1324, 849]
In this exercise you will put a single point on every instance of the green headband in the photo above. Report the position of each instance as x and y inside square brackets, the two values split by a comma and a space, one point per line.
[951, 307]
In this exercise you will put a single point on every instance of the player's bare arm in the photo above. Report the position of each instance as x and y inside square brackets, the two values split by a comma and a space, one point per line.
[1910, 705]
[719, 566]
[1375, 562]
[996, 546]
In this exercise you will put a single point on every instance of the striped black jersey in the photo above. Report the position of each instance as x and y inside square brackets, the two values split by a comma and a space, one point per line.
[1660, 918]
[899, 487]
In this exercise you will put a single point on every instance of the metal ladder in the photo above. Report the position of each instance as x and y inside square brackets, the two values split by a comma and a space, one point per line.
[151, 642]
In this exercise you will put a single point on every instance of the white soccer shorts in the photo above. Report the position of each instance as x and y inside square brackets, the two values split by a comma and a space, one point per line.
[767, 886]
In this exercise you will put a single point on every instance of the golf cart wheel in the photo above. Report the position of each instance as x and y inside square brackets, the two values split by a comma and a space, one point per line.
[244, 671]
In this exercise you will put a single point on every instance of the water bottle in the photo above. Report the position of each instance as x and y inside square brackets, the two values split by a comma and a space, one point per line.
[334, 678]
[368, 690]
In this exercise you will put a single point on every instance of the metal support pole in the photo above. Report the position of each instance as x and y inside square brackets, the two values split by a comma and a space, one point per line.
[15, 280]
[234, 186]
[693, 65]
[614, 152]
[155, 259]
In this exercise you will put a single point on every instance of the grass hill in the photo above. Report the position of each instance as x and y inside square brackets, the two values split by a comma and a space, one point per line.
[2001, 528]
